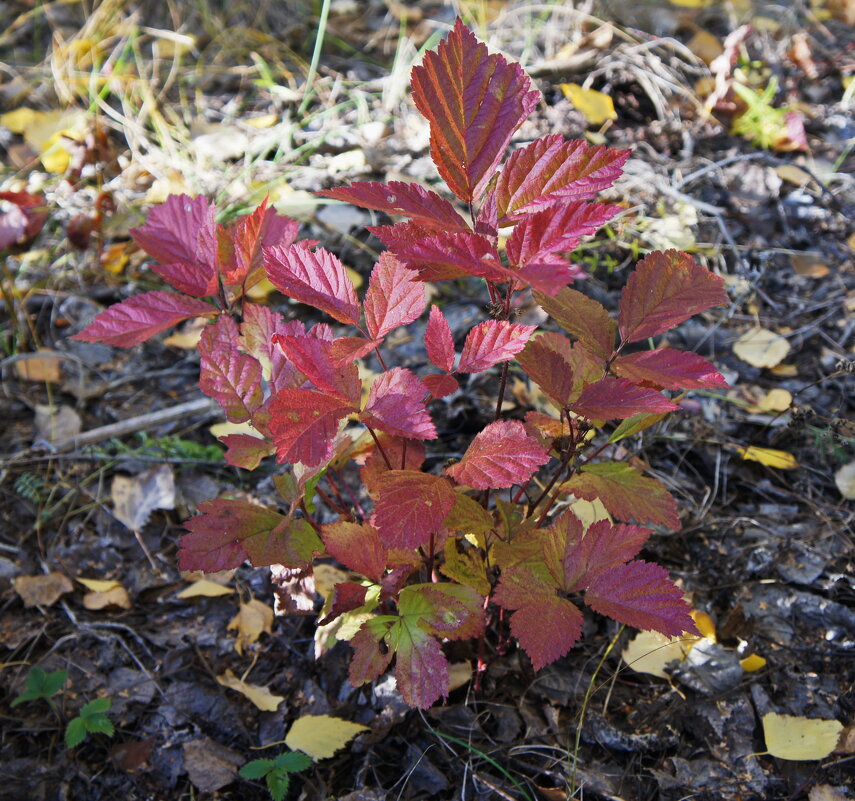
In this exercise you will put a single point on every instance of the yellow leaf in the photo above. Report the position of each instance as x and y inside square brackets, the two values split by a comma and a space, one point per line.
[845, 480]
[590, 511]
[705, 624]
[42, 366]
[797, 738]
[705, 46]
[264, 121]
[252, 620]
[99, 585]
[768, 456]
[761, 348]
[55, 157]
[326, 577]
[466, 567]
[691, 3]
[650, 651]
[258, 293]
[320, 736]
[355, 277]
[265, 700]
[775, 400]
[752, 663]
[595, 106]
[459, 673]
[187, 337]
[19, 119]
[204, 588]
[116, 596]
[115, 258]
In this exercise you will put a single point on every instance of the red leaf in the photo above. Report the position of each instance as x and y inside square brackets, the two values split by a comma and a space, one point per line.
[218, 534]
[542, 237]
[411, 507]
[421, 669]
[304, 424]
[394, 297]
[401, 234]
[357, 547]
[396, 405]
[316, 278]
[667, 368]
[229, 376]
[245, 450]
[618, 398]
[370, 658]
[345, 350]
[474, 102]
[664, 290]
[347, 596]
[550, 171]
[181, 230]
[487, 222]
[141, 317]
[403, 454]
[640, 594]
[313, 357]
[626, 493]
[196, 280]
[257, 328]
[24, 220]
[501, 455]
[439, 341]
[443, 257]
[548, 277]
[409, 200]
[546, 625]
[547, 361]
[491, 342]
[439, 385]
[602, 547]
[582, 317]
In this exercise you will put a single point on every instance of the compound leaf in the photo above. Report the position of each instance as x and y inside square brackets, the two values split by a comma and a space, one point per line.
[315, 359]
[665, 289]
[141, 317]
[444, 257]
[474, 102]
[356, 546]
[547, 361]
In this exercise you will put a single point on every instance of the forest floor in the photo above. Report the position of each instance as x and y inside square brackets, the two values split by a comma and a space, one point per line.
[133, 105]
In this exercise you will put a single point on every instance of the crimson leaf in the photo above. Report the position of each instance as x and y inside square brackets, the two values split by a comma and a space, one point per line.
[491, 342]
[551, 170]
[501, 455]
[439, 341]
[141, 317]
[667, 368]
[640, 594]
[618, 398]
[181, 230]
[439, 385]
[313, 357]
[316, 278]
[394, 297]
[409, 200]
[474, 102]
[547, 361]
[396, 406]
[602, 547]
[357, 547]
[664, 290]
[444, 257]
[411, 507]
[246, 450]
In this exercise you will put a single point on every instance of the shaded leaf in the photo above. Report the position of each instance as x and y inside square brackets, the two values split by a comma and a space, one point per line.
[314, 358]
[546, 360]
[444, 257]
[491, 342]
[501, 455]
[246, 450]
[440, 385]
[356, 546]
[141, 317]
[602, 547]
[582, 317]
[664, 290]
[666, 368]
[474, 102]
[618, 398]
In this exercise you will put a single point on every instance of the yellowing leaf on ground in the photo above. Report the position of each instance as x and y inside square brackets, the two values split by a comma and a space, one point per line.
[19, 119]
[782, 460]
[258, 292]
[115, 258]
[265, 700]
[705, 46]
[326, 577]
[252, 620]
[43, 590]
[203, 588]
[760, 347]
[705, 624]
[42, 366]
[320, 736]
[597, 107]
[136, 497]
[115, 597]
[775, 400]
[752, 663]
[791, 737]
[459, 673]
[845, 480]
[99, 585]
[650, 651]
[188, 335]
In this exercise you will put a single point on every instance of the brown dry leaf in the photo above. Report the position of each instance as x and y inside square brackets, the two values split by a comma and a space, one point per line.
[809, 265]
[53, 423]
[793, 174]
[705, 46]
[760, 347]
[204, 588]
[210, 765]
[136, 497]
[42, 366]
[845, 480]
[42, 590]
[320, 736]
[252, 620]
[265, 700]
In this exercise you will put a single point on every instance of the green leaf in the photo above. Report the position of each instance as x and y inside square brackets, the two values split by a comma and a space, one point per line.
[99, 724]
[41, 685]
[257, 769]
[278, 783]
[293, 761]
[98, 706]
[75, 732]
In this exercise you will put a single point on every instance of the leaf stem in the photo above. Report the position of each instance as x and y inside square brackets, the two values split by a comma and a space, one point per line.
[380, 448]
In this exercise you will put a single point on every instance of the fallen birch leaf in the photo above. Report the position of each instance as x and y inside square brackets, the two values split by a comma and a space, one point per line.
[252, 620]
[752, 663]
[320, 736]
[116, 596]
[136, 497]
[43, 590]
[53, 423]
[797, 738]
[775, 400]
[650, 651]
[204, 588]
[265, 700]
[760, 347]
[768, 456]
[845, 480]
[209, 764]
[459, 673]
[42, 366]
[596, 107]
